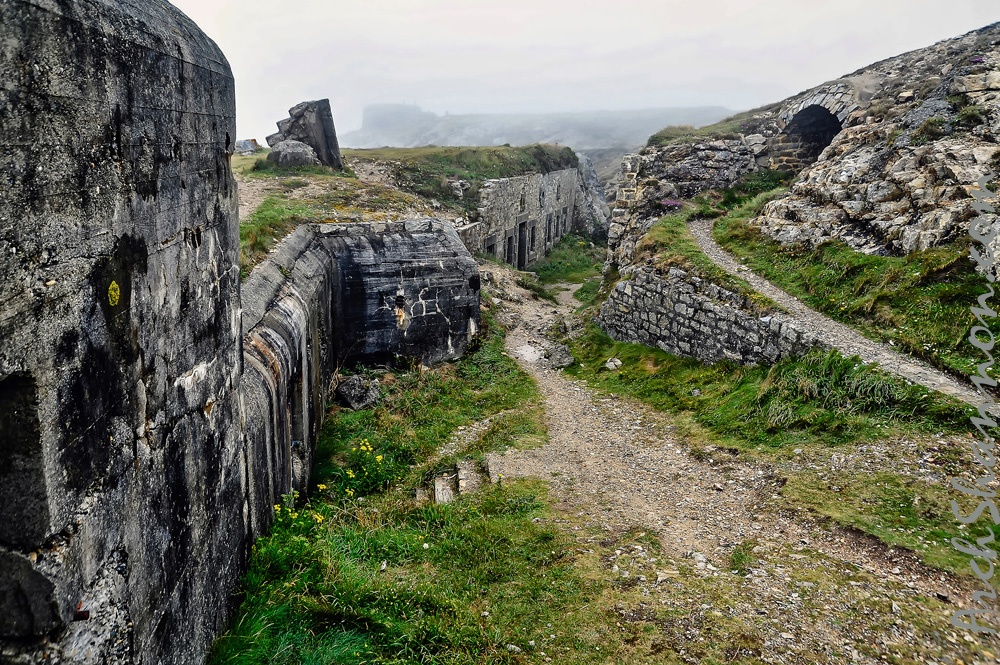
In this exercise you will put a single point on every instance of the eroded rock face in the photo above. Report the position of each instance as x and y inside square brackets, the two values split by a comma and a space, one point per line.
[887, 156]
[882, 189]
[899, 177]
[311, 123]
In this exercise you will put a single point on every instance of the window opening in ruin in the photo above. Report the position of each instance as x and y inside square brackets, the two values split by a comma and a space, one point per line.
[509, 256]
[533, 238]
[548, 229]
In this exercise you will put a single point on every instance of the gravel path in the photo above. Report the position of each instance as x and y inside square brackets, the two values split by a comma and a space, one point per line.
[252, 192]
[618, 465]
[843, 338]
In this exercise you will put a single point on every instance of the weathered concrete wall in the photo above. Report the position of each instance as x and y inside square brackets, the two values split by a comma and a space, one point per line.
[521, 218]
[337, 294]
[132, 479]
[122, 484]
[688, 316]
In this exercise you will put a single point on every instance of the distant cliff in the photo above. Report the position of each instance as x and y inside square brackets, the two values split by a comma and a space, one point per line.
[405, 126]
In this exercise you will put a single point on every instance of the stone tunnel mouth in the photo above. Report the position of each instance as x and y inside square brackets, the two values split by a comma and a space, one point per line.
[811, 130]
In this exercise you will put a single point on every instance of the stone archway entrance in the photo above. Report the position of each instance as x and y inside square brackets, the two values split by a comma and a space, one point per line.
[808, 133]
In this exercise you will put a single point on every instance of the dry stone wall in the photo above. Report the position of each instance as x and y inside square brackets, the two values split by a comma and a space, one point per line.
[688, 316]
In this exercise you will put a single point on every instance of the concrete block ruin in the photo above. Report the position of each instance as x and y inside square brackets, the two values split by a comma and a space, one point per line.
[143, 440]
[311, 123]
[339, 294]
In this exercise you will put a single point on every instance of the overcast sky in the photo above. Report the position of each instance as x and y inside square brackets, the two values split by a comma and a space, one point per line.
[473, 56]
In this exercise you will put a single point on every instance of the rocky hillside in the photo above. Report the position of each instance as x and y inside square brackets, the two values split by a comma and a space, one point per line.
[887, 156]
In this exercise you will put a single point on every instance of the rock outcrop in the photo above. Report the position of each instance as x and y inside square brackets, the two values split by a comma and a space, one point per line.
[248, 147]
[887, 156]
[292, 153]
[311, 123]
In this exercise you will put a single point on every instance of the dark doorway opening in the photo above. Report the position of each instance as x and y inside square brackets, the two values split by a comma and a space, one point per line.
[810, 132]
[522, 245]
[509, 255]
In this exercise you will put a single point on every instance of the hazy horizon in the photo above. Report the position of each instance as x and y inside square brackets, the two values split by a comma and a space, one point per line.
[529, 57]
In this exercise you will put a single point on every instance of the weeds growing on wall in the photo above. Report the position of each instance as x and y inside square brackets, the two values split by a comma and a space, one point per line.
[919, 302]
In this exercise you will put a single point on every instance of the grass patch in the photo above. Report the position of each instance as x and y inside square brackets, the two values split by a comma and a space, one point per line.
[729, 128]
[536, 288]
[816, 403]
[821, 398]
[899, 511]
[363, 575]
[919, 302]
[391, 582]
[372, 450]
[742, 557]
[264, 168]
[589, 292]
[303, 196]
[243, 164]
[429, 171]
[275, 218]
[671, 244]
[574, 259]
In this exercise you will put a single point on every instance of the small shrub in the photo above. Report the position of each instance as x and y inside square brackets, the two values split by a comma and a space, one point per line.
[931, 129]
[973, 115]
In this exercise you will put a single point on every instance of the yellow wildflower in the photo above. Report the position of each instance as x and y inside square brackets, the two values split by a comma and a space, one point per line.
[378, 458]
[318, 518]
[350, 474]
[277, 507]
[321, 487]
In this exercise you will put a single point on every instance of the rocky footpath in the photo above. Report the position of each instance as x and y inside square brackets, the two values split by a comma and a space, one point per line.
[672, 513]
